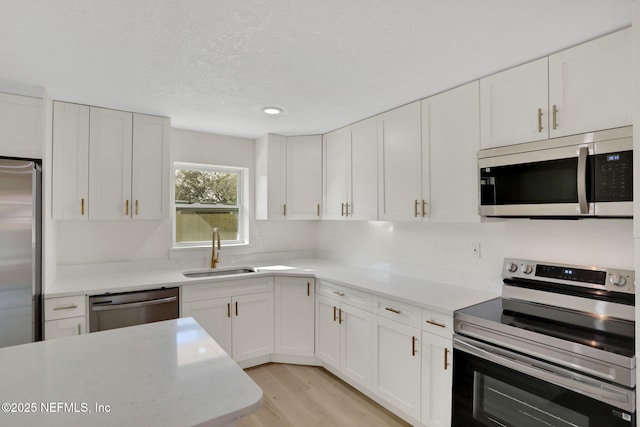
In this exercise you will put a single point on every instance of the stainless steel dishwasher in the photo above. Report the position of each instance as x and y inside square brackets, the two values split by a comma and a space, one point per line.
[110, 311]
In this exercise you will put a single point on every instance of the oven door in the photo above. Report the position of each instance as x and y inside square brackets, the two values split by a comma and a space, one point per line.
[497, 387]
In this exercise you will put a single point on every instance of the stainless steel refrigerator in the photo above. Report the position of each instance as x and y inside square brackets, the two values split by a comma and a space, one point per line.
[20, 252]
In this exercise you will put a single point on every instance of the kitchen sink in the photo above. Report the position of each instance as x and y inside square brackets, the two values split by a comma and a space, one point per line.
[214, 272]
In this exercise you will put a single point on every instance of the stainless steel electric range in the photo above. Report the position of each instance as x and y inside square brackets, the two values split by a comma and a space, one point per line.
[558, 349]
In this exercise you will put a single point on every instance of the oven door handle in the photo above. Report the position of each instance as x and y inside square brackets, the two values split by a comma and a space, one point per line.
[111, 306]
[599, 390]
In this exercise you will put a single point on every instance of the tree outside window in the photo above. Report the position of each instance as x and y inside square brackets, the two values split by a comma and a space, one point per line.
[208, 197]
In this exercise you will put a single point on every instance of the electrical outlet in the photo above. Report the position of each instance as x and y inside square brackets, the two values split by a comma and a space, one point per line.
[475, 249]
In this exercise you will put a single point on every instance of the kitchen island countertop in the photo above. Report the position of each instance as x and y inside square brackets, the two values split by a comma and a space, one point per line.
[164, 373]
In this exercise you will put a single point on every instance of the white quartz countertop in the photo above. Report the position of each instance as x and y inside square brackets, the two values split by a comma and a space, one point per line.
[169, 373]
[443, 297]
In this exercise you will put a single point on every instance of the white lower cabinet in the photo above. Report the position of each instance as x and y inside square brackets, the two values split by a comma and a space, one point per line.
[65, 317]
[437, 379]
[397, 364]
[294, 316]
[62, 328]
[238, 314]
[344, 339]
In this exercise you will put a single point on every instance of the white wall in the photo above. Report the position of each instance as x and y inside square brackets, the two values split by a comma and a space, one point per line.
[443, 252]
[88, 242]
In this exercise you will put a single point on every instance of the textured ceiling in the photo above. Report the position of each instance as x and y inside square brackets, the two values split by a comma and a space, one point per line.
[212, 65]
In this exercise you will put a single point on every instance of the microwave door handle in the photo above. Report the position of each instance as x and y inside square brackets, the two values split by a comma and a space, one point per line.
[582, 180]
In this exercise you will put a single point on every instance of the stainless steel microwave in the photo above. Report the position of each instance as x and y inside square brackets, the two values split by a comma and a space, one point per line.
[587, 175]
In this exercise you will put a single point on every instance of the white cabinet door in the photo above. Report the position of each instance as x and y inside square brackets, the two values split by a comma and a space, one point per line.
[589, 85]
[271, 177]
[21, 126]
[437, 379]
[70, 161]
[400, 160]
[450, 133]
[514, 105]
[327, 331]
[396, 370]
[252, 326]
[110, 139]
[356, 343]
[150, 171]
[294, 315]
[214, 315]
[304, 177]
[337, 173]
[62, 328]
[364, 170]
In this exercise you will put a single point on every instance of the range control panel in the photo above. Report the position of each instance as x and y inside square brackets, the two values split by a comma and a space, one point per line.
[591, 277]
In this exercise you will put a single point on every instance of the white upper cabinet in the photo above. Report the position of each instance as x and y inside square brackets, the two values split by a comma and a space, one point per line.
[400, 164]
[271, 177]
[21, 126]
[70, 161]
[150, 170]
[304, 177]
[109, 164]
[450, 134]
[514, 105]
[110, 144]
[364, 171]
[582, 89]
[337, 174]
[589, 86]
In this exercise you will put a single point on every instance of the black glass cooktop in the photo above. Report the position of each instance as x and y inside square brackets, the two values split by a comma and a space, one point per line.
[606, 335]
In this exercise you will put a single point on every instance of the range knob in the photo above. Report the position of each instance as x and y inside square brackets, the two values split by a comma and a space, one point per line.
[511, 267]
[526, 268]
[618, 280]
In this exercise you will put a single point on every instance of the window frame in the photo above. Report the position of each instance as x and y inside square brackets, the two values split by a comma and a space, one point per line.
[242, 203]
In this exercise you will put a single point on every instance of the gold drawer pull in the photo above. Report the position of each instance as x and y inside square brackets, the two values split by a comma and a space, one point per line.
[446, 354]
[393, 310]
[126, 209]
[540, 127]
[340, 294]
[431, 322]
[66, 307]
[334, 313]
[413, 346]
[82, 207]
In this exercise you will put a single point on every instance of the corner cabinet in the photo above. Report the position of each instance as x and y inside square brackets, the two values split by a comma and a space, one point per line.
[288, 177]
[109, 164]
[294, 316]
[21, 126]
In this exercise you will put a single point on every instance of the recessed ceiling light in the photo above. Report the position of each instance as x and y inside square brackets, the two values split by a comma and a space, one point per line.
[272, 111]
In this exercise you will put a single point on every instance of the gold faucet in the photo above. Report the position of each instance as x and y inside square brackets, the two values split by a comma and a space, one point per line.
[215, 255]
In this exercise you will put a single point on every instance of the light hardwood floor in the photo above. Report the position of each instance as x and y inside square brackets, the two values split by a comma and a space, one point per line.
[309, 396]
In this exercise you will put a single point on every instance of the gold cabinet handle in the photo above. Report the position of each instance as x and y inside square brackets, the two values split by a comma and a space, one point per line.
[340, 316]
[393, 310]
[308, 289]
[446, 354]
[65, 307]
[126, 207]
[415, 210]
[334, 313]
[347, 206]
[79, 329]
[424, 207]
[82, 206]
[284, 210]
[431, 322]
[236, 308]
[540, 120]
[136, 207]
[413, 346]
[229, 310]
[318, 209]
[340, 294]
[555, 116]
[342, 209]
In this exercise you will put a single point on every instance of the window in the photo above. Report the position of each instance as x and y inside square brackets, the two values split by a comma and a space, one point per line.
[209, 196]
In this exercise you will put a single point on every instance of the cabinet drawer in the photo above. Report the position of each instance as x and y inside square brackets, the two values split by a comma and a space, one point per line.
[64, 307]
[437, 323]
[398, 311]
[226, 288]
[344, 294]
